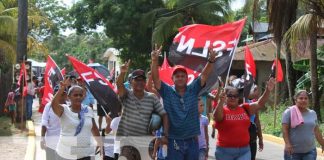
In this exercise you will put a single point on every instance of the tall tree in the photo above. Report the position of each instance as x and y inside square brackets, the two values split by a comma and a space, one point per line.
[121, 20]
[305, 30]
[306, 26]
[22, 30]
[176, 13]
[282, 15]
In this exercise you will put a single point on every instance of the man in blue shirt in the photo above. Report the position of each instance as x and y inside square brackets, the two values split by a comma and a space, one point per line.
[180, 102]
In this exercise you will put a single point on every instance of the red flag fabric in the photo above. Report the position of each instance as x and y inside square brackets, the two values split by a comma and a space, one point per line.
[190, 48]
[165, 63]
[52, 77]
[63, 71]
[250, 72]
[23, 79]
[279, 72]
[166, 74]
[99, 86]
[249, 62]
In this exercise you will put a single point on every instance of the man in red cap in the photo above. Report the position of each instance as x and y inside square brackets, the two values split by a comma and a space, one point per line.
[180, 102]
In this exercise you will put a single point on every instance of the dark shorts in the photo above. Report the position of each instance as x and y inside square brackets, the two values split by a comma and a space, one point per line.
[100, 111]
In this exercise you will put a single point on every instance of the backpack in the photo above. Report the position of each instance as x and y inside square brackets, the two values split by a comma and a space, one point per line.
[253, 130]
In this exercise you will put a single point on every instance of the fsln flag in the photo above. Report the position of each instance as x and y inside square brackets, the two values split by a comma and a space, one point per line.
[165, 73]
[63, 71]
[190, 47]
[99, 86]
[52, 77]
[279, 73]
[250, 72]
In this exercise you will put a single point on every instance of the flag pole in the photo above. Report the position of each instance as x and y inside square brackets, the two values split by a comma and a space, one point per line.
[276, 88]
[22, 97]
[230, 66]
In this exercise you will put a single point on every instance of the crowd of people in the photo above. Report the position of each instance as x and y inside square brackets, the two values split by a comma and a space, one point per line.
[175, 116]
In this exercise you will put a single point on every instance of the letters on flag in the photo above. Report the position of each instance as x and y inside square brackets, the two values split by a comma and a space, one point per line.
[52, 77]
[190, 47]
[99, 86]
[279, 73]
[250, 72]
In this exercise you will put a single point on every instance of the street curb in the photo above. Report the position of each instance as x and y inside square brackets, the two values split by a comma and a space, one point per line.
[31, 146]
[279, 140]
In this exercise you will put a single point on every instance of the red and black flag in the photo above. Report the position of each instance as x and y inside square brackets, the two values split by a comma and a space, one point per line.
[52, 77]
[99, 86]
[279, 73]
[190, 47]
[250, 72]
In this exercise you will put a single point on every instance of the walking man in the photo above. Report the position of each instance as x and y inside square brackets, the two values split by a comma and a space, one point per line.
[180, 102]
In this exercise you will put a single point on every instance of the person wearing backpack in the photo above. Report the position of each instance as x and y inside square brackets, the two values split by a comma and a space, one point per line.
[255, 130]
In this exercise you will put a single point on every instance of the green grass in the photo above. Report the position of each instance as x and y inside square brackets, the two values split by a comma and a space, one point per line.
[5, 126]
[267, 120]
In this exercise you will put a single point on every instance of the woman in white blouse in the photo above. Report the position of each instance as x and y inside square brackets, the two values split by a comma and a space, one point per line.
[51, 128]
[77, 125]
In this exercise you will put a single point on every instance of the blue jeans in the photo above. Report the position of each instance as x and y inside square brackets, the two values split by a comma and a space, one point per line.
[184, 149]
[202, 153]
[311, 155]
[227, 153]
[29, 106]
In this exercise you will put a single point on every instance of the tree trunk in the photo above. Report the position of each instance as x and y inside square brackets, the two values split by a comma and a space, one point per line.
[22, 30]
[314, 74]
[290, 74]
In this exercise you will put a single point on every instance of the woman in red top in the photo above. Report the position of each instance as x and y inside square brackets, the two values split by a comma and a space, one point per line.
[232, 123]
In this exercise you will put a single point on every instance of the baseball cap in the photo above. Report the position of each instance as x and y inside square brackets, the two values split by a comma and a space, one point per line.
[138, 73]
[179, 68]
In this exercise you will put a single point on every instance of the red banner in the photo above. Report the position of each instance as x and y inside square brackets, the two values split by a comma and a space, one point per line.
[52, 77]
[249, 62]
[23, 79]
[250, 72]
[191, 44]
[279, 73]
[165, 73]
[99, 86]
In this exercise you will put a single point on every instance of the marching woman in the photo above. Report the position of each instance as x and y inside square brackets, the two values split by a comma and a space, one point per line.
[300, 128]
[77, 124]
[232, 123]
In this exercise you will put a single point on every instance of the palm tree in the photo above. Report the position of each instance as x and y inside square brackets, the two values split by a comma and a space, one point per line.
[282, 15]
[306, 29]
[8, 39]
[177, 13]
[22, 30]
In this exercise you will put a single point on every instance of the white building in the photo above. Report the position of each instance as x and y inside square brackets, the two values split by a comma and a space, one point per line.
[111, 55]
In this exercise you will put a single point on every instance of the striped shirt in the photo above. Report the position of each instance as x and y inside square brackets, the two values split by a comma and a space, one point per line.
[182, 110]
[137, 113]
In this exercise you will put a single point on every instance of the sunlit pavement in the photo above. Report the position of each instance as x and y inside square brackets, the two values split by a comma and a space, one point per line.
[271, 151]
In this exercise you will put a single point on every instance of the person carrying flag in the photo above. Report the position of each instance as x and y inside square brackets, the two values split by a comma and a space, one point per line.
[180, 102]
[233, 122]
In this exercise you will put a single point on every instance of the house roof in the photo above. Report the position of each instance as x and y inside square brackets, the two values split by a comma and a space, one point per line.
[260, 27]
[110, 51]
[262, 51]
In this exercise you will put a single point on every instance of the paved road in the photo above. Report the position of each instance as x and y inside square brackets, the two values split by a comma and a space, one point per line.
[272, 151]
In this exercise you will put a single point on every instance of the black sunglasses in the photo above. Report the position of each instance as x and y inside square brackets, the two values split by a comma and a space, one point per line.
[232, 96]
